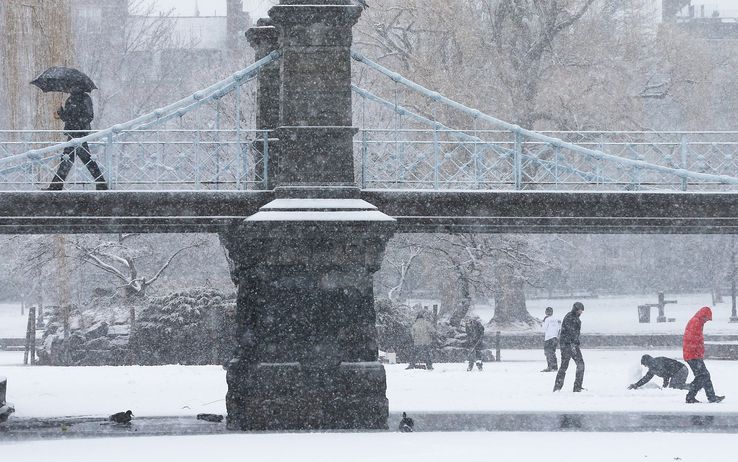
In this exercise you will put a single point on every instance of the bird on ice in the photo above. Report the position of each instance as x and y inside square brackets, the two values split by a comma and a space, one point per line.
[406, 424]
[122, 417]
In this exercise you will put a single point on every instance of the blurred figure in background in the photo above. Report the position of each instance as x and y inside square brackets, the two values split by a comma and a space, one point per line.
[551, 327]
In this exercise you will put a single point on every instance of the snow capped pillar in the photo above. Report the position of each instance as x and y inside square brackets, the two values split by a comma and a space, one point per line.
[304, 264]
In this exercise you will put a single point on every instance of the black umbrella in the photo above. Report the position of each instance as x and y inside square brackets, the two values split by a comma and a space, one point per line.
[63, 79]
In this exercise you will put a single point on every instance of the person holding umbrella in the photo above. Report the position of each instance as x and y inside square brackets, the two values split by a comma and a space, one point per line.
[77, 114]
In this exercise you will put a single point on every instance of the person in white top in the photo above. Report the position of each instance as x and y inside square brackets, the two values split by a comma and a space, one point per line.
[551, 327]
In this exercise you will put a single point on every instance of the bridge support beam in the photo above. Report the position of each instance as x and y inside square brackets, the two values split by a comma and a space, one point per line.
[304, 263]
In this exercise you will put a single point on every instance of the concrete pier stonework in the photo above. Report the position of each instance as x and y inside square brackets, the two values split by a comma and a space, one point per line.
[304, 263]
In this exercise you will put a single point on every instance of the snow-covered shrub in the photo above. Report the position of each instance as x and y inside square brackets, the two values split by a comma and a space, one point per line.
[393, 328]
[195, 326]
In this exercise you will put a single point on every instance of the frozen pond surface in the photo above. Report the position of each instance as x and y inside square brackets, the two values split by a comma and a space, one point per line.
[391, 447]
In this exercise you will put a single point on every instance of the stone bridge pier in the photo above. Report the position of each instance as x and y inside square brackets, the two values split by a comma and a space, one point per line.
[304, 263]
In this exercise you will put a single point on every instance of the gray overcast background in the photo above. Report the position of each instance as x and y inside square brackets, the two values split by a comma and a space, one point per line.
[257, 8]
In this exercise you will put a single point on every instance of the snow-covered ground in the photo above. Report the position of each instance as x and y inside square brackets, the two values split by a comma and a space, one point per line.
[619, 314]
[515, 384]
[12, 322]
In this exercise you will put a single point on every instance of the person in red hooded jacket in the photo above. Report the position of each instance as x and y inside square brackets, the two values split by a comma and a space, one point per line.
[693, 345]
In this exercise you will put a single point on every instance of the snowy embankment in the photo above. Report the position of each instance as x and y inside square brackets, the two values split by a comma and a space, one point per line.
[391, 447]
[513, 385]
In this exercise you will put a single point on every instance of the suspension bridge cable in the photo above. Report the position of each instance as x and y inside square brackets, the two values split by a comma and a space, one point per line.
[556, 142]
[401, 110]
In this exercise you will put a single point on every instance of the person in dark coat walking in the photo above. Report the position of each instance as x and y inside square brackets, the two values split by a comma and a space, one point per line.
[474, 337]
[693, 346]
[569, 344]
[551, 328]
[672, 371]
[77, 114]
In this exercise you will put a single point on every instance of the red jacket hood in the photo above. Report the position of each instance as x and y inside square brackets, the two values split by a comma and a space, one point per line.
[704, 314]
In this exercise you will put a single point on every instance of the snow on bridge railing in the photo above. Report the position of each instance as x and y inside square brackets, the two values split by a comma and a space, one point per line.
[525, 159]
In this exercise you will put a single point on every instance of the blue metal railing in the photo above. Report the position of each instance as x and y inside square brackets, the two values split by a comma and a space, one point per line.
[527, 143]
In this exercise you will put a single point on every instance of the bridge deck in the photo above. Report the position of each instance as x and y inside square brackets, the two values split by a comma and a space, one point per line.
[416, 211]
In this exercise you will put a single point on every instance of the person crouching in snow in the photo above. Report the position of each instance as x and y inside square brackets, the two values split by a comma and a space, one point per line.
[693, 345]
[672, 371]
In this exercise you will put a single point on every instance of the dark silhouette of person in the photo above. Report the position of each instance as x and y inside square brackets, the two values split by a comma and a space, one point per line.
[474, 339]
[77, 114]
[693, 348]
[569, 345]
[672, 371]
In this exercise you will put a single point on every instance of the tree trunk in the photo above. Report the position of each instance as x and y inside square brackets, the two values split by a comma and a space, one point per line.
[38, 35]
[510, 298]
[463, 303]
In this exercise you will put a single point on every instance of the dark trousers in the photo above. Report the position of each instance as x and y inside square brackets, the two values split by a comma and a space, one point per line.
[423, 352]
[549, 349]
[83, 152]
[679, 379]
[475, 354]
[701, 380]
[570, 352]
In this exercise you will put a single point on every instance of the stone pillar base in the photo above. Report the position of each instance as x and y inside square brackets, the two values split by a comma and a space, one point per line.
[292, 396]
[307, 354]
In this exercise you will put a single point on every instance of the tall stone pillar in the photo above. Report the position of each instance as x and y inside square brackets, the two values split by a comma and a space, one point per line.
[315, 107]
[264, 39]
[304, 263]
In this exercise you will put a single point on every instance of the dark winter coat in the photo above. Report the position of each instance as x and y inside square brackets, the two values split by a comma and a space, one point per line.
[474, 333]
[570, 327]
[77, 114]
[661, 366]
[693, 342]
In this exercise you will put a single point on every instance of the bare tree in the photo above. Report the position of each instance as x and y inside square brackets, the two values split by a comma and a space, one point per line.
[120, 258]
[401, 255]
